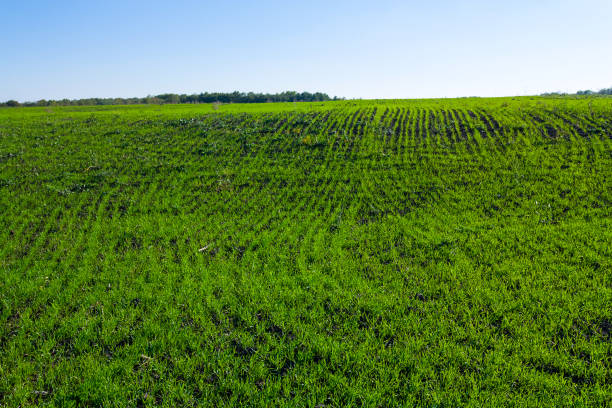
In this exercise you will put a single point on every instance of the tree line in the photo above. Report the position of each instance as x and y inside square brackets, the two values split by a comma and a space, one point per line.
[205, 97]
[606, 91]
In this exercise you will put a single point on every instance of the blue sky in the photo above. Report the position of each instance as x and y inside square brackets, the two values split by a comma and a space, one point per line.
[356, 49]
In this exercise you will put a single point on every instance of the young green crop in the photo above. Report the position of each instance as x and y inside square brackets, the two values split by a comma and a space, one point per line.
[351, 253]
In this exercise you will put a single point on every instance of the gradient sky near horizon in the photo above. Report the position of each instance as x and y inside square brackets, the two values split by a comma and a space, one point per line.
[355, 49]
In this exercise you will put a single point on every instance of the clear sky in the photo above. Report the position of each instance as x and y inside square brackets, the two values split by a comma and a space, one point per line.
[357, 49]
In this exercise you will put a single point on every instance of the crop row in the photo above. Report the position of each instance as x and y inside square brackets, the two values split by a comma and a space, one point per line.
[338, 253]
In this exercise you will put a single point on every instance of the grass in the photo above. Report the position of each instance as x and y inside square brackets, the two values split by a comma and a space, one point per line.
[353, 253]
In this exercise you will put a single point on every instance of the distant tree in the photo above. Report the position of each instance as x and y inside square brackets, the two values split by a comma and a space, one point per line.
[12, 103]
[191, 98]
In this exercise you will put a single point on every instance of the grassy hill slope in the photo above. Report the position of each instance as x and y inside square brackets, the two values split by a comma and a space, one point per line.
[366, 253]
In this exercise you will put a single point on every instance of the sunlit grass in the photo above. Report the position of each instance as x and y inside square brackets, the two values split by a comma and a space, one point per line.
[367, 253]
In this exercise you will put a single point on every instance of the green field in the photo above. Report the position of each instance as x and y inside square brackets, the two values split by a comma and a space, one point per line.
[433, 253]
